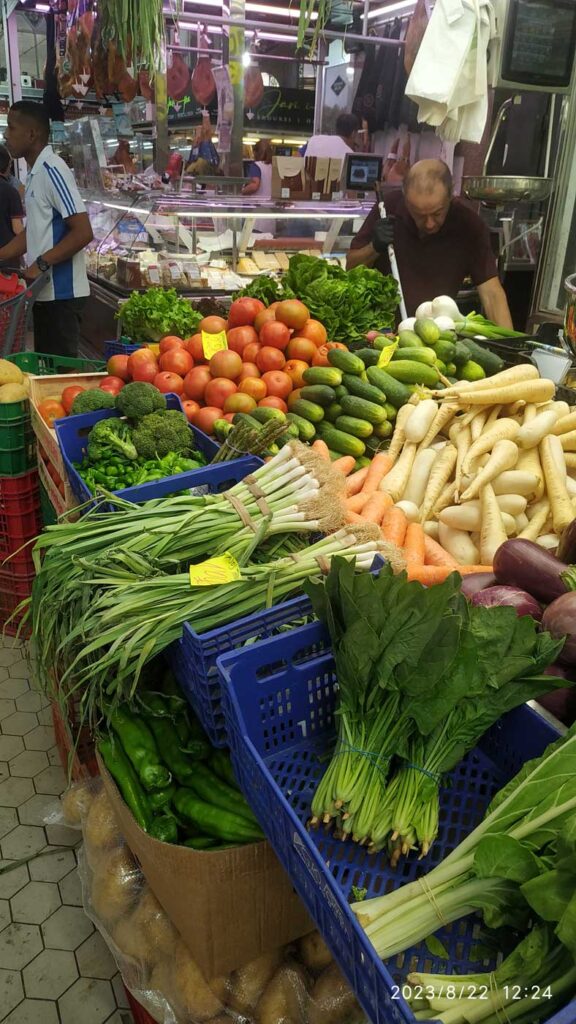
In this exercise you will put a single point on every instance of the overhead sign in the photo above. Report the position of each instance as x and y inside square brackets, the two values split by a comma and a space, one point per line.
[279, 110]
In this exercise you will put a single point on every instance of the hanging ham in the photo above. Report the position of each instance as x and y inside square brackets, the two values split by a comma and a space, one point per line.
[203, 85]
[253, 87]
[177, 77]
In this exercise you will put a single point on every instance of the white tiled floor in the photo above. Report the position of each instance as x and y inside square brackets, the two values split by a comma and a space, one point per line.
[54, 966]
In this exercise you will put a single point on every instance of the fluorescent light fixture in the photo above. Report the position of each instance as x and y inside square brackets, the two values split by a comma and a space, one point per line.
[43, 8]
[246, 59]
[276, 37]
[281, 12]
[401, 5]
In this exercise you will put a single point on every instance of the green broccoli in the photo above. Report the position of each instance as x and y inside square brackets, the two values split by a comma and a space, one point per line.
[110, 437]
[139, 399]
[92, 401]
[161, 433]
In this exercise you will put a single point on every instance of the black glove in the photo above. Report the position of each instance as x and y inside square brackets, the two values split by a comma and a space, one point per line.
[383, 234]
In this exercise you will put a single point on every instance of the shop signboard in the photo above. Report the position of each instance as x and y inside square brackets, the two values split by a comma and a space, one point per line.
[281, 110]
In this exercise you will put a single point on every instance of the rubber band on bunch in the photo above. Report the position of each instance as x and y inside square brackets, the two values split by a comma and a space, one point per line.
[379, 761]
[435, 776]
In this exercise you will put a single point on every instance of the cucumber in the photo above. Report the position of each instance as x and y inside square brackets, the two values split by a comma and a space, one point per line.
[308, 410]
[382, 430]
[362, 389]
[441, 367]
[338, 441]
[409, 339]
[410, 372]
[263, 414]
[290, 434]
[369, 356]
[383, 340]
[332, 412]
[418, 355]
[489, 361]
[472, 371]
[319, 393]
[323, 375]
[362, 462]
[345, 361]
[249, 419]
[445, 350]
[396, 393]
[461, 354]
[306, 430]
[390, 411]
[354, 426]
[341, 391]
[361, 409]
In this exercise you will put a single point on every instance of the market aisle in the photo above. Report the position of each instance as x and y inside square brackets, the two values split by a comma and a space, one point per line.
[54, 966]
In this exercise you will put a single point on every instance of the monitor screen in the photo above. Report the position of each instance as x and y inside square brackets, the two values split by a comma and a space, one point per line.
[540, 42]
[362, 171]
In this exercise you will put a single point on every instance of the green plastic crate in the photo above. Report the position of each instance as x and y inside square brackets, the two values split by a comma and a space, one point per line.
[17, 441]
[44, 365]
[47, 510]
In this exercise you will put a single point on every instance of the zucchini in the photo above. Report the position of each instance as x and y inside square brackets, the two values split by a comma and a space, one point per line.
[409, 372]
[395, 392]
[338, 441]
[409, 339]
[384, 429]
[332, 412]
[417, 355]
[345, 361]
[306, 430]
[362, 389]
[319, 393]
[352, 425]
[310, 411]
[263, 414]
[322, 375]
[489, 361]
[361, 409]
[369, 356]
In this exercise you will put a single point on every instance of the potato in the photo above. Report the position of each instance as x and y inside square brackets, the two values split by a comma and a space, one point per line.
[132, 944]
[193, 997]
[13, 393]
[285, 997]
[332, 1000]
[314, 952]
[10, 373]
[248, 982]
[115, 886]
[152, 922]
[101, 831]
[76, 802]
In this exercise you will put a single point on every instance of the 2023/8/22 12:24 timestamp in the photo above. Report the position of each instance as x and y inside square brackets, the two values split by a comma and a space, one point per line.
[470, 991]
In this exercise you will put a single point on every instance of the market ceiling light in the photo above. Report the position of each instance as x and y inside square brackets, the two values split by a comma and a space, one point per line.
[246, 60]
[402, 5]
[281, 12]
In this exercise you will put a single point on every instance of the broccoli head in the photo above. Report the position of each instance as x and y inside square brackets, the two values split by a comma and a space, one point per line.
[161, 433]
[110, 437]
[139, 399]
[92, 401]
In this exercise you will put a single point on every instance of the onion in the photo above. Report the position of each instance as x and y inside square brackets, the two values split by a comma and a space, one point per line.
[477, 581]
[497, 597]
[444, 305]
[444, 323]
[407, 325]
[560, 620]
[424, 310]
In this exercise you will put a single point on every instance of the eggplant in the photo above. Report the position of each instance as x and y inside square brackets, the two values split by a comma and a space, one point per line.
[520, 563]
[560, 620]
[567, 546]
[477, 581]
[494, 597]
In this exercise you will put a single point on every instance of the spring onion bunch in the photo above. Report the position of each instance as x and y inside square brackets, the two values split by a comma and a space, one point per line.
[475, 325]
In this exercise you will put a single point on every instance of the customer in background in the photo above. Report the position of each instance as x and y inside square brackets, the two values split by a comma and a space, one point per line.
[260, 184]
[11, 209]
[344, 140]
[57, 231]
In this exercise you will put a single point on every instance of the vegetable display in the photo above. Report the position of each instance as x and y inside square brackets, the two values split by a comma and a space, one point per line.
[150, 315]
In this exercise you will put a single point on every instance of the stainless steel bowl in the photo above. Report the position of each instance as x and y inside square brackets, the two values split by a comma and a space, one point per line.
[570, 313]
[500, 190]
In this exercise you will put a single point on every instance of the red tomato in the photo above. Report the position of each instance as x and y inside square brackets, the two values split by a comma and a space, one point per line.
[168, 382]
[315, 331]
[112, 383]
[273, 403]
[244, 311]
[229, 416]
[249, 370]
[190, 409]
[293, 313]
[240, 337]
[240, 402]
[117, 366]
[275, 334]
[301, 348]
[195, 383]
[218, 390]
[170, 341]
[145, 370]
[226, 364]
[110, 389]
[176, 360]
[51, 409]
[293, 397]
[254, 386]
[295, 368]
[336, 344]
[270, 358]
[68, 395]
[204, 419]
[213, 324]
[263, 317]
[320, 357]
[251, 351]
[278, 384]
[193, 345]
[138, 358]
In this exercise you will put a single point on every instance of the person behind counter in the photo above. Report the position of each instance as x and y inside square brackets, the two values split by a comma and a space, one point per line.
[438, 240]
[343, 141]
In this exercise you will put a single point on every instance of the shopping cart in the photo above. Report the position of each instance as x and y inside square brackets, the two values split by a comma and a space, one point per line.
[15, 312]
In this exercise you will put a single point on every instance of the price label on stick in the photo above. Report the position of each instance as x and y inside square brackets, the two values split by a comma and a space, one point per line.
[222, 569]
[386, 355]
[213, 343]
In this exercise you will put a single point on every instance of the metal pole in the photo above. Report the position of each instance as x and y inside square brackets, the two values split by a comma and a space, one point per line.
[236, 68]
[320, 87]
[267, 56]
[10, 28]
[161, 99]
[268, 27]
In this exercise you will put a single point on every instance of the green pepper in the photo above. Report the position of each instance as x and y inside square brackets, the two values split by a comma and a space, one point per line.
[215, 821]
[164, 828]
[160, 798]
[220, 763]
[123, 773]
[168, 741]
[139, 745]
[200, 842]
[209, 787]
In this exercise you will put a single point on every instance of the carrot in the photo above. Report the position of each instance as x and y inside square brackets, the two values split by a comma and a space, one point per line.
[354, 517]
[376, 506]
[321, 449]
[355, 481]
[435, 554]
[380, 465]
[356, 502]
[345, 464]
[431, 574]
[394, 526]
[414, 544]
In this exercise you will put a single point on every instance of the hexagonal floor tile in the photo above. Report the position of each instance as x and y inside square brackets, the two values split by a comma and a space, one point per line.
[23, 841]
[14, 792]
[38, 809]
[53, 753]
[11, 992]
[32, 701]
[13, 688]
[12, 881]
[20, 669]
[32, 1011]
[71, 890]
[120, 992]
[7, 707]
[19, 944]
[95, 959]
[19, 723]
[4, 770]
[50, 974]
[4, 914]
[62, 835]
[29, 763]
[52, 868]
[51, 780]
[35, 902]
[88, 1000]
[10, 746]
[8, 820]
[9, 654]
[40, 738]
[66, 929]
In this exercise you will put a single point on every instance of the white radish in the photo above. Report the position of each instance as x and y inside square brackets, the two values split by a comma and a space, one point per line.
[549, 541]
[560, 504]
[416, 487]
[447, 498]
[420, 420]
[504, 456]
[462, 517]
[565, 424]
[514, 481]
[561, 409]
[477, 424]
[541, 390]
[399, 435]
[506, 429]
[395, 481]
[568, 441]
[513, 375]
[493, 532]
[538, 516]
[410, 510]
[431, 530]
[521, 522]
[531, 433]
[570, 460]
[459, 544]
[445, 413]
[440, 474]
[460, 437]
[571, 486]
[529, 462]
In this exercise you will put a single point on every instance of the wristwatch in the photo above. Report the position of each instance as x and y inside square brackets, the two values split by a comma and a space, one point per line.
[42, 265]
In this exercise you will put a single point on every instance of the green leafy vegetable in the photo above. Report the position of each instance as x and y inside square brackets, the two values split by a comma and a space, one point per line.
[149, 315]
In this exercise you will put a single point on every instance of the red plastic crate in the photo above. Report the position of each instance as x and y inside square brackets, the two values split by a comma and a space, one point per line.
[140, 1015]
[20, 517]
[75, 746]
[15, 585]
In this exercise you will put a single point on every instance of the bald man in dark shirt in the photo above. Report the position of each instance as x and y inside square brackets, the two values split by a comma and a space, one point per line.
[438, 240]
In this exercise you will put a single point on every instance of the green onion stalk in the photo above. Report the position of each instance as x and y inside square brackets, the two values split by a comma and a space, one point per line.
[475, 325]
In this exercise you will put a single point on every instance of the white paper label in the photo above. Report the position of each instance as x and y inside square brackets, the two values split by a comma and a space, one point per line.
[285, 193]
[316, 195]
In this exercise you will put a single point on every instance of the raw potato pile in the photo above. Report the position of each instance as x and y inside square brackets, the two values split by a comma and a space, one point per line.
[484, 461]
[13, 383]
[297, 984]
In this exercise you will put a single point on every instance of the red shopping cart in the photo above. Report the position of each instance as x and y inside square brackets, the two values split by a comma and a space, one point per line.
[16, 301]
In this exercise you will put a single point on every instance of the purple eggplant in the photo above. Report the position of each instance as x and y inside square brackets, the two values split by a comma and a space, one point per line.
[560, 620]
[477, 581]
[498, 596]
[520, 563]
[567, 546]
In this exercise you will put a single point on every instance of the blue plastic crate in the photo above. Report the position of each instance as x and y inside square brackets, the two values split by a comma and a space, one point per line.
[118, 348]
[279, 701]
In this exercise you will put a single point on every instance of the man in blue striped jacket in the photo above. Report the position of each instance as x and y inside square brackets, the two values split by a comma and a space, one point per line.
[57, 231]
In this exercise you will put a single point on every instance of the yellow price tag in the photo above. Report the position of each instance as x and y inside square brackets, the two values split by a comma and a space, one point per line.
[386, 355]
[222, 569]
[212, 343]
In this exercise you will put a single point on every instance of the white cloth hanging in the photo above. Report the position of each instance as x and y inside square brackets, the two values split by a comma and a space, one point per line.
[449, 80]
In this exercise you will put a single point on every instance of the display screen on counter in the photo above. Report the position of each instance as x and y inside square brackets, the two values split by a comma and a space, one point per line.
[362, 171]
[540, 42]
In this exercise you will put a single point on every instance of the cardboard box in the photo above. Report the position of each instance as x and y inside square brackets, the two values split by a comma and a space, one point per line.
[229, 907]
[324, 175]
[289, 178]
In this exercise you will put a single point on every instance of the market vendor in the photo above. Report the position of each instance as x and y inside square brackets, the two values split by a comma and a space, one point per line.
[439, 241]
